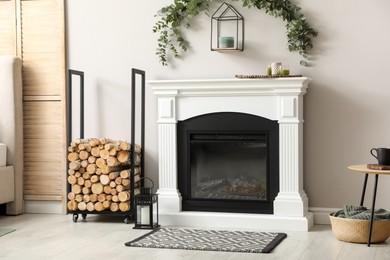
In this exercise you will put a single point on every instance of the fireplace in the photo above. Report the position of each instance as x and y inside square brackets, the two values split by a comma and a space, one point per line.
[228, 162]
[278, 102]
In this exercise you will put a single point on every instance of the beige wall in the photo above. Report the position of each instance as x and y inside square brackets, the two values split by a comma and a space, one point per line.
[346, 109]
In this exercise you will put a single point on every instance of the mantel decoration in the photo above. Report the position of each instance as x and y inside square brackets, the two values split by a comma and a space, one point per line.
[180, 13]
[227, 29]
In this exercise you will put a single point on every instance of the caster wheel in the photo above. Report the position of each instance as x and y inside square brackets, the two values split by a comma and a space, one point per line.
[84, 216]
[127, 220]
[75, 217]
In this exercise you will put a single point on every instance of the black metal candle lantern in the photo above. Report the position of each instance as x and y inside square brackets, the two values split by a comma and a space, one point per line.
[146, 204]
[227, 29]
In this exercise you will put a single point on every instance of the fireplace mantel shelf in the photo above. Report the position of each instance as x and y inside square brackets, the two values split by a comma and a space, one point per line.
[227, 87]
[279, 99]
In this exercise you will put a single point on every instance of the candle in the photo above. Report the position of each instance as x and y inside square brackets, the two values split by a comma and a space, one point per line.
[145, 217]
[269, 70]
[226, 42]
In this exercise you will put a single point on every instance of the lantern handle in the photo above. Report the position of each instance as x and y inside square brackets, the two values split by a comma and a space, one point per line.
[149, 180]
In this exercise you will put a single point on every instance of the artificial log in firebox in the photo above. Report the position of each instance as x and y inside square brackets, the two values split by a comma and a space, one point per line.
[99, 175]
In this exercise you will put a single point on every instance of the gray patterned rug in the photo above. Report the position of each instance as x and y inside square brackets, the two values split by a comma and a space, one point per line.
[210, 240]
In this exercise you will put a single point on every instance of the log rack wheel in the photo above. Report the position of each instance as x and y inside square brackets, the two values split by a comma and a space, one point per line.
[130, 214]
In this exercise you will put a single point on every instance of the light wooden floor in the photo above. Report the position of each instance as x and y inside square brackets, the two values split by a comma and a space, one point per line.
[46, 236]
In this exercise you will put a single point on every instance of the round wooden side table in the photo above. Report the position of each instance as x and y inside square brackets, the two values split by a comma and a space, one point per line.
[363, 168]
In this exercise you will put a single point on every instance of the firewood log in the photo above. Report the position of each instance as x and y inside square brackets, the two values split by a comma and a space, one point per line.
[105, 140]
[91, 159]
[86, 198]
[126, 173]
[75, 165]
[91, 168]
[112, 161]
[86, 190]
[126, 182]
[118, 180]
[71, 172]
[80, 181]
[107, 169]
[84, 163]
[77, 174]
[86, 175]
[78, 198]
[115, 198]
[76, 189]
[109, 197]
[93, 197]
[94, 142]
[101, 197]
[107, 189]
[124, 206]
[99, 206]
[119, 188]
[90, 206]
[95, 178]
[106, 204]
[82, 205]
[71, 196]
[126, 146]
[73, 157]
[114, 192]
[95, 151]
[113, 152]
[104, 154]
[98, 171]
[104, 179]
[81, 170]
[112, 184]
[124, 196]
[83, 155]
[72, 179]
[81, 141]
[114, 207]
[124, 157]
[113, 175]
[100, 162]
[87, 183]
[72, 205]
[97, 188]
[84, 146]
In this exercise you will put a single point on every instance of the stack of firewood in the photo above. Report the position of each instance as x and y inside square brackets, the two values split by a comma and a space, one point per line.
[99, 174]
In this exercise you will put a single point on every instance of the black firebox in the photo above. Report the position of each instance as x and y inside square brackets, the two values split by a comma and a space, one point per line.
[228, 162]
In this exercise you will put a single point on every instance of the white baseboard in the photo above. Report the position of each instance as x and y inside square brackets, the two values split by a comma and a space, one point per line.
[321, 215]
[43, 207]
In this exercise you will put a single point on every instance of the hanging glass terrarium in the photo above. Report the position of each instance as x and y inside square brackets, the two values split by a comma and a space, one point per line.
[227, 29]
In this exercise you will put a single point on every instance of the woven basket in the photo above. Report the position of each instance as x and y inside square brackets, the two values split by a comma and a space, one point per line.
[356, 230]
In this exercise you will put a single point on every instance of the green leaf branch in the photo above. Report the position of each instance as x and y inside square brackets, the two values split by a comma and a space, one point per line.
[179, 14]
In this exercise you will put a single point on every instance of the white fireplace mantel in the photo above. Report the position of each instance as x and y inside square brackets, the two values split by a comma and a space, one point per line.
[278, 99]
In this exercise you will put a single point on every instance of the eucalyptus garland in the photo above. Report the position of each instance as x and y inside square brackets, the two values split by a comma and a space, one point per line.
[180, 13]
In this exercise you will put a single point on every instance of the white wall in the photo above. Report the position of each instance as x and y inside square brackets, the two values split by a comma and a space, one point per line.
[346, 109]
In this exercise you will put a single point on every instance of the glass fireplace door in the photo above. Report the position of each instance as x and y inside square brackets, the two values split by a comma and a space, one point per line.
[228, 166]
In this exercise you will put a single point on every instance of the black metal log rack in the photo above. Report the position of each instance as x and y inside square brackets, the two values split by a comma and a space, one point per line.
[130, 214]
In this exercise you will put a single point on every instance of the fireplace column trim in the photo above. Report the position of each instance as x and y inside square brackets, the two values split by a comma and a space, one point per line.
[292, 199]
[169, 196]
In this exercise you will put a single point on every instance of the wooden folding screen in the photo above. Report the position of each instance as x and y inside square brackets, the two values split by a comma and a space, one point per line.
[34, 31]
